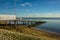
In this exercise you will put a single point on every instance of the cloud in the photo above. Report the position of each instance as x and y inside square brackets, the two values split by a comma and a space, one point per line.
[30, 15]
[22, 5]
[26, 4]
[44, 15]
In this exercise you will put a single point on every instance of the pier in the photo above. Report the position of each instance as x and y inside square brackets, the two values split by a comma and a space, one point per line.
[19, 22]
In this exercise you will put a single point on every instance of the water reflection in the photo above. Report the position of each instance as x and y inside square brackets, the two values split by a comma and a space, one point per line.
[51, 25]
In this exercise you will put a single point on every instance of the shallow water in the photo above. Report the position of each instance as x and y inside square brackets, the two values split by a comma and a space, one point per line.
[52, 25]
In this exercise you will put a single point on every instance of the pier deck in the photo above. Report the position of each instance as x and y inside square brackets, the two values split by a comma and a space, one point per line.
[19, 22]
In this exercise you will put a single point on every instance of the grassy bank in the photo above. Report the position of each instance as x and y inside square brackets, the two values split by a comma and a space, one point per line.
[38, 34]
[9, 35]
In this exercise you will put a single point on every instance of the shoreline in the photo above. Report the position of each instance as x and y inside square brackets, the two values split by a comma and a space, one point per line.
[47, 31]
[34, 32]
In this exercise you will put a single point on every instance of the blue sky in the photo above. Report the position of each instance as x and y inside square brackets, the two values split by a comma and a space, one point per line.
[31, 8]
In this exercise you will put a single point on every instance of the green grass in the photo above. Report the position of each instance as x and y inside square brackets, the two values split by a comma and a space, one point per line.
[5, 35]
[35, 34]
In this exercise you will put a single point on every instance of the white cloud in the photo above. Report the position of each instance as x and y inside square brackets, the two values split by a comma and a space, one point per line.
[22, 5]
[26, 4]
[44, 15]
[30, 15]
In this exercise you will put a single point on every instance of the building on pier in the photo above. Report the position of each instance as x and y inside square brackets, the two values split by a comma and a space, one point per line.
[7, 17]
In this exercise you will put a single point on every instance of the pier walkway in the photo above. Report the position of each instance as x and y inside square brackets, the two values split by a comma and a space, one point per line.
[19, 22]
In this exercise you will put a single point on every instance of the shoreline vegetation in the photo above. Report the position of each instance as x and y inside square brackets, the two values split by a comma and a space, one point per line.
[27, 33]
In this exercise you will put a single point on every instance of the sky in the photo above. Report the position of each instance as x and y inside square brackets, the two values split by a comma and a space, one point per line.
[31, 8]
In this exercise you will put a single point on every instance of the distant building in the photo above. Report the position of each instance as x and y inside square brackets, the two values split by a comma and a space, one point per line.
[7, 17]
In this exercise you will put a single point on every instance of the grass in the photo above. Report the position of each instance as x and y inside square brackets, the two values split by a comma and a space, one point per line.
[33, 33]
[9, 35]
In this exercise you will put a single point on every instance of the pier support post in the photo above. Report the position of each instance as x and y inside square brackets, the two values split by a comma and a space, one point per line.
[15, 24]
[6, 23]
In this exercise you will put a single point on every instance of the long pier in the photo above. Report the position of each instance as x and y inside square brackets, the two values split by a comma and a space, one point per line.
[19, 22]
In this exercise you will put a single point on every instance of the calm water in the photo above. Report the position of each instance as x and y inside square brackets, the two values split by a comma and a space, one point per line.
[52, 25]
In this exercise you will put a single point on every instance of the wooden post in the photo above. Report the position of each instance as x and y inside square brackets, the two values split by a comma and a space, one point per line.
[28, 23]
[31, 24]
[6, 23]
[17, 22]
[14, 23]
[9, 23]
[23, 22]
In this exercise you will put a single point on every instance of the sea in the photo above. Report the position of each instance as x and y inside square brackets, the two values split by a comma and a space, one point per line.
[51, 25]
